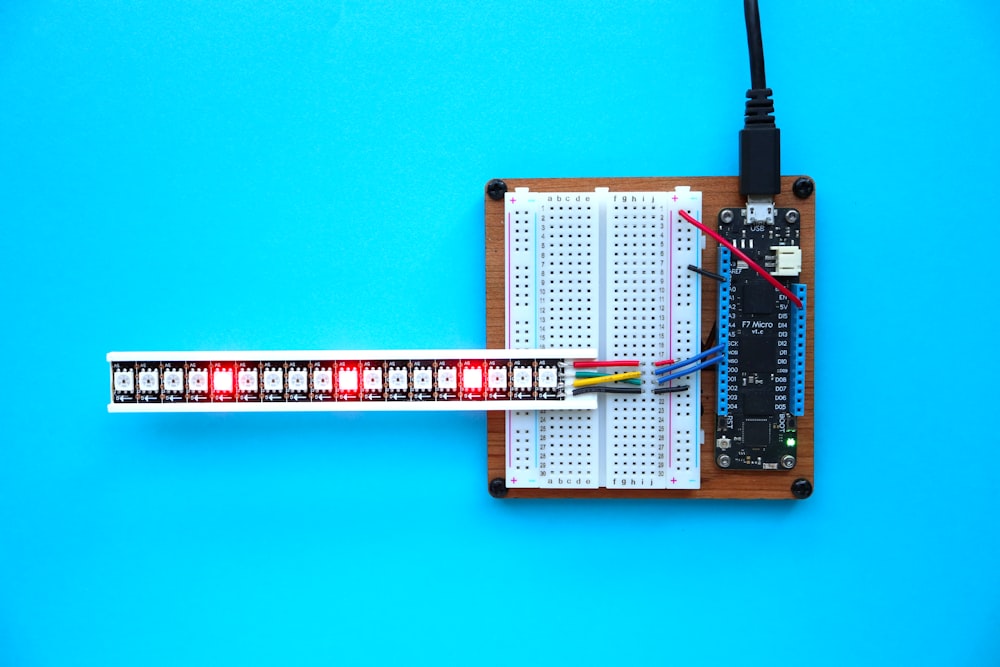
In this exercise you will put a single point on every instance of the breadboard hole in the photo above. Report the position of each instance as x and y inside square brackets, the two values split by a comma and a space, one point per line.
[609, 273]
[521, 299]
[634, 459]
[571, 453]
[567, 280]
[636, 285]
[522, 457]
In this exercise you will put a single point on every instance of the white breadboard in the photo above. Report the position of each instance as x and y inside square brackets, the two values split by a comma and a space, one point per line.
[605, 270]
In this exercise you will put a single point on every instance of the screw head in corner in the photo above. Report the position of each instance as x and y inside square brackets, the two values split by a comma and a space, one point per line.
[498, 487]
[802, 488]
[496, 189]
[803, 187]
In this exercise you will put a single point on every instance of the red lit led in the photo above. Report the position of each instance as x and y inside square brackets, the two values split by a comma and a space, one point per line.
[347, 376]
[222, 378]
[472, 380]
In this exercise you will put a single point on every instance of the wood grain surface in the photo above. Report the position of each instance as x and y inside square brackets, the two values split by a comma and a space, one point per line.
[717, 192]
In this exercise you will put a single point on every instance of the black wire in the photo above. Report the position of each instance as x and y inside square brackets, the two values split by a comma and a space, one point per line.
[755, 44]
[705, 272]
[712, 335]
[598, 389]
[671, 390]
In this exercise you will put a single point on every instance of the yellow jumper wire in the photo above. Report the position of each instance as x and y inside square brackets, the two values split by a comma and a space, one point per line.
[589, 382]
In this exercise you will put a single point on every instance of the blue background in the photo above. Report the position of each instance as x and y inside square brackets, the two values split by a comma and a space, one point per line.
[248, 175]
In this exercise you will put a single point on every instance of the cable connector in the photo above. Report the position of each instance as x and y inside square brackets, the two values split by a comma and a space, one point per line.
[760, 210]
[760, 146]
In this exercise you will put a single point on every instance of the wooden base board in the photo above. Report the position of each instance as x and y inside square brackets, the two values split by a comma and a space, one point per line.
[718, 192]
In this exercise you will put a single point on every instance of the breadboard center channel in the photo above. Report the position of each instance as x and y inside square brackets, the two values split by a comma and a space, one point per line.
[606, 270]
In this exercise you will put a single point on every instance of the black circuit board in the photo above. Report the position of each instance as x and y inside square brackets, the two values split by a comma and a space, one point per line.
[756, 427]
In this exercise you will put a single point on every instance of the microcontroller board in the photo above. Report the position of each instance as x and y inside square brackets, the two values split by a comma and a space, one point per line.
[761, 381]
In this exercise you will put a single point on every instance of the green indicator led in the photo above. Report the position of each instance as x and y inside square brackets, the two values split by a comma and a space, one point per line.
[790, 442]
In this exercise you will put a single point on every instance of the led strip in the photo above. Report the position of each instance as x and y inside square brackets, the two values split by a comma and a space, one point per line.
[340, 380]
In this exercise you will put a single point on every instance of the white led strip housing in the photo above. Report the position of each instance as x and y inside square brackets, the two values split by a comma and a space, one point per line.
[606, 270]
[344, 380]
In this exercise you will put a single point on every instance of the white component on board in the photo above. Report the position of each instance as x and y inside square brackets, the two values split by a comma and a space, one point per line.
[173, 380]
[198, 381]
[274, 380]
[497, 378]
[124, 380]
[397, 379]
[149, 380]
[423, 379]
[247, 380]
[372, 378]
[298, 380]
[787, 260]
[323, 380]
[448, 379]
[548, 378]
